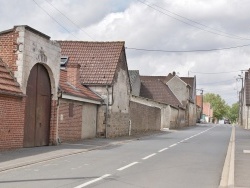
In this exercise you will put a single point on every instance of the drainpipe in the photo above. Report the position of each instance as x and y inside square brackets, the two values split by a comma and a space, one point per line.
[58, 140]
[129, 130]
[107, 111]
[247, 117]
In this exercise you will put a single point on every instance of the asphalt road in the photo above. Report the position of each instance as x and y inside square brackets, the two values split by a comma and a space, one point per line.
[190, 158]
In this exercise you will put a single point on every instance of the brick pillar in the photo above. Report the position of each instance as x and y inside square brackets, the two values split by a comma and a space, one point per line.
[53, 123]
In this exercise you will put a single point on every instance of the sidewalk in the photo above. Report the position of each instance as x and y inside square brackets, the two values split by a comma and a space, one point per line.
[27, 156]
[242, 158]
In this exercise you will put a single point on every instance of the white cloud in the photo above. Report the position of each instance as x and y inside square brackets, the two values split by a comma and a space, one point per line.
[143, 27]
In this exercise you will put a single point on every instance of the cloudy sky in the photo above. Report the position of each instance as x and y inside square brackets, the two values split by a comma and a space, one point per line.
[181, 35]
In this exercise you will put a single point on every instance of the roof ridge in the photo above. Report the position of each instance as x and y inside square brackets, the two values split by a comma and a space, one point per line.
[79, 41]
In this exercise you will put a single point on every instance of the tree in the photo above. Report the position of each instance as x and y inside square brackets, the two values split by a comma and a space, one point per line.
[233, 112]
[220, 108]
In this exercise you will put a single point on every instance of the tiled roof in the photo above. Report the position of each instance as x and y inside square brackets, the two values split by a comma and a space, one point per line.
[133, 74]
[164, 79]
[8, 84]
[79, 91]
[156, 90]
[247, 88]
[98, 60]
[188, 80]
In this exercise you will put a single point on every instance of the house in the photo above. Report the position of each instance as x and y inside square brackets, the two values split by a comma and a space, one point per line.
[207, 112]
[32, 60]
[244, 112]
[170, 88]
[192, 108]
[77, 107]
[185, 91]
[103, 70]
[173, 113]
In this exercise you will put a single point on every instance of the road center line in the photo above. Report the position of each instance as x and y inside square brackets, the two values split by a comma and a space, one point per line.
[149, 156]
[162, 149]
[127, 166]
[93, 181]
[172, 145]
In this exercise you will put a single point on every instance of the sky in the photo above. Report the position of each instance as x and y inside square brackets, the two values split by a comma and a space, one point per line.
[206, 39]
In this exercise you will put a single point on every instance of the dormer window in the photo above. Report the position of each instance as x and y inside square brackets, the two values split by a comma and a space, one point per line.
[64, 61]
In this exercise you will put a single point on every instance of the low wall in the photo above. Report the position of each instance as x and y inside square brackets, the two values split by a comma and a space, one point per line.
[144, 118]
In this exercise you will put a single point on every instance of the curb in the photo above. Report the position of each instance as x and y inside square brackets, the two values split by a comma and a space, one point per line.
[53, 157]
[227, 177]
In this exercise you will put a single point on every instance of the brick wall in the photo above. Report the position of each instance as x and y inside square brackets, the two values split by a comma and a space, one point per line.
[53, 123]
[70, 128]
[8, 48]
[11, 122]
[144, 118]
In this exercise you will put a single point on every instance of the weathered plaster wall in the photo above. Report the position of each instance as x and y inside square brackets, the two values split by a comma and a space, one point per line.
[144, 118]
[33, 49]
[179, 88]
[89, 115]
[136, 87]
[165, 109]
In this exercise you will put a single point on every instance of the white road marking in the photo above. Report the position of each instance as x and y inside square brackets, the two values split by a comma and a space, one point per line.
[172, 145]
[246, 151]
[93, 181]
[162, 149]
[127, 166]
[149, 156]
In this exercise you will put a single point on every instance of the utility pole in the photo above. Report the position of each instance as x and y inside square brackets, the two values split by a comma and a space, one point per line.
[241, 95]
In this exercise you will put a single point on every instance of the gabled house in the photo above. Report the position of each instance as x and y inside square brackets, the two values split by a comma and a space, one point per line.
[180, 88]
[103, 70]
[77, 107]
[173, 113]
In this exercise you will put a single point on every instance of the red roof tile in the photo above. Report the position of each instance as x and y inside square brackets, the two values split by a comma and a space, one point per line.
[79, 91]
[152, 87]
[8, 84]
[98, 60]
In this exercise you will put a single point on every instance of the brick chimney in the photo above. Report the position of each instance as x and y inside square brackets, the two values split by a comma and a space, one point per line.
[73, 74]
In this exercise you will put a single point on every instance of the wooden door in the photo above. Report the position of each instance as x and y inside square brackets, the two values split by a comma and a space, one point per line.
[38, 108]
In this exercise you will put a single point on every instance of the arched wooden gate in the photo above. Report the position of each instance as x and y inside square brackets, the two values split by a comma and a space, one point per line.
[38, 108]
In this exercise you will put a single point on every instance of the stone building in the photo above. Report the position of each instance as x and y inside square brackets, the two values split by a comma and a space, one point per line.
[103, 70]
